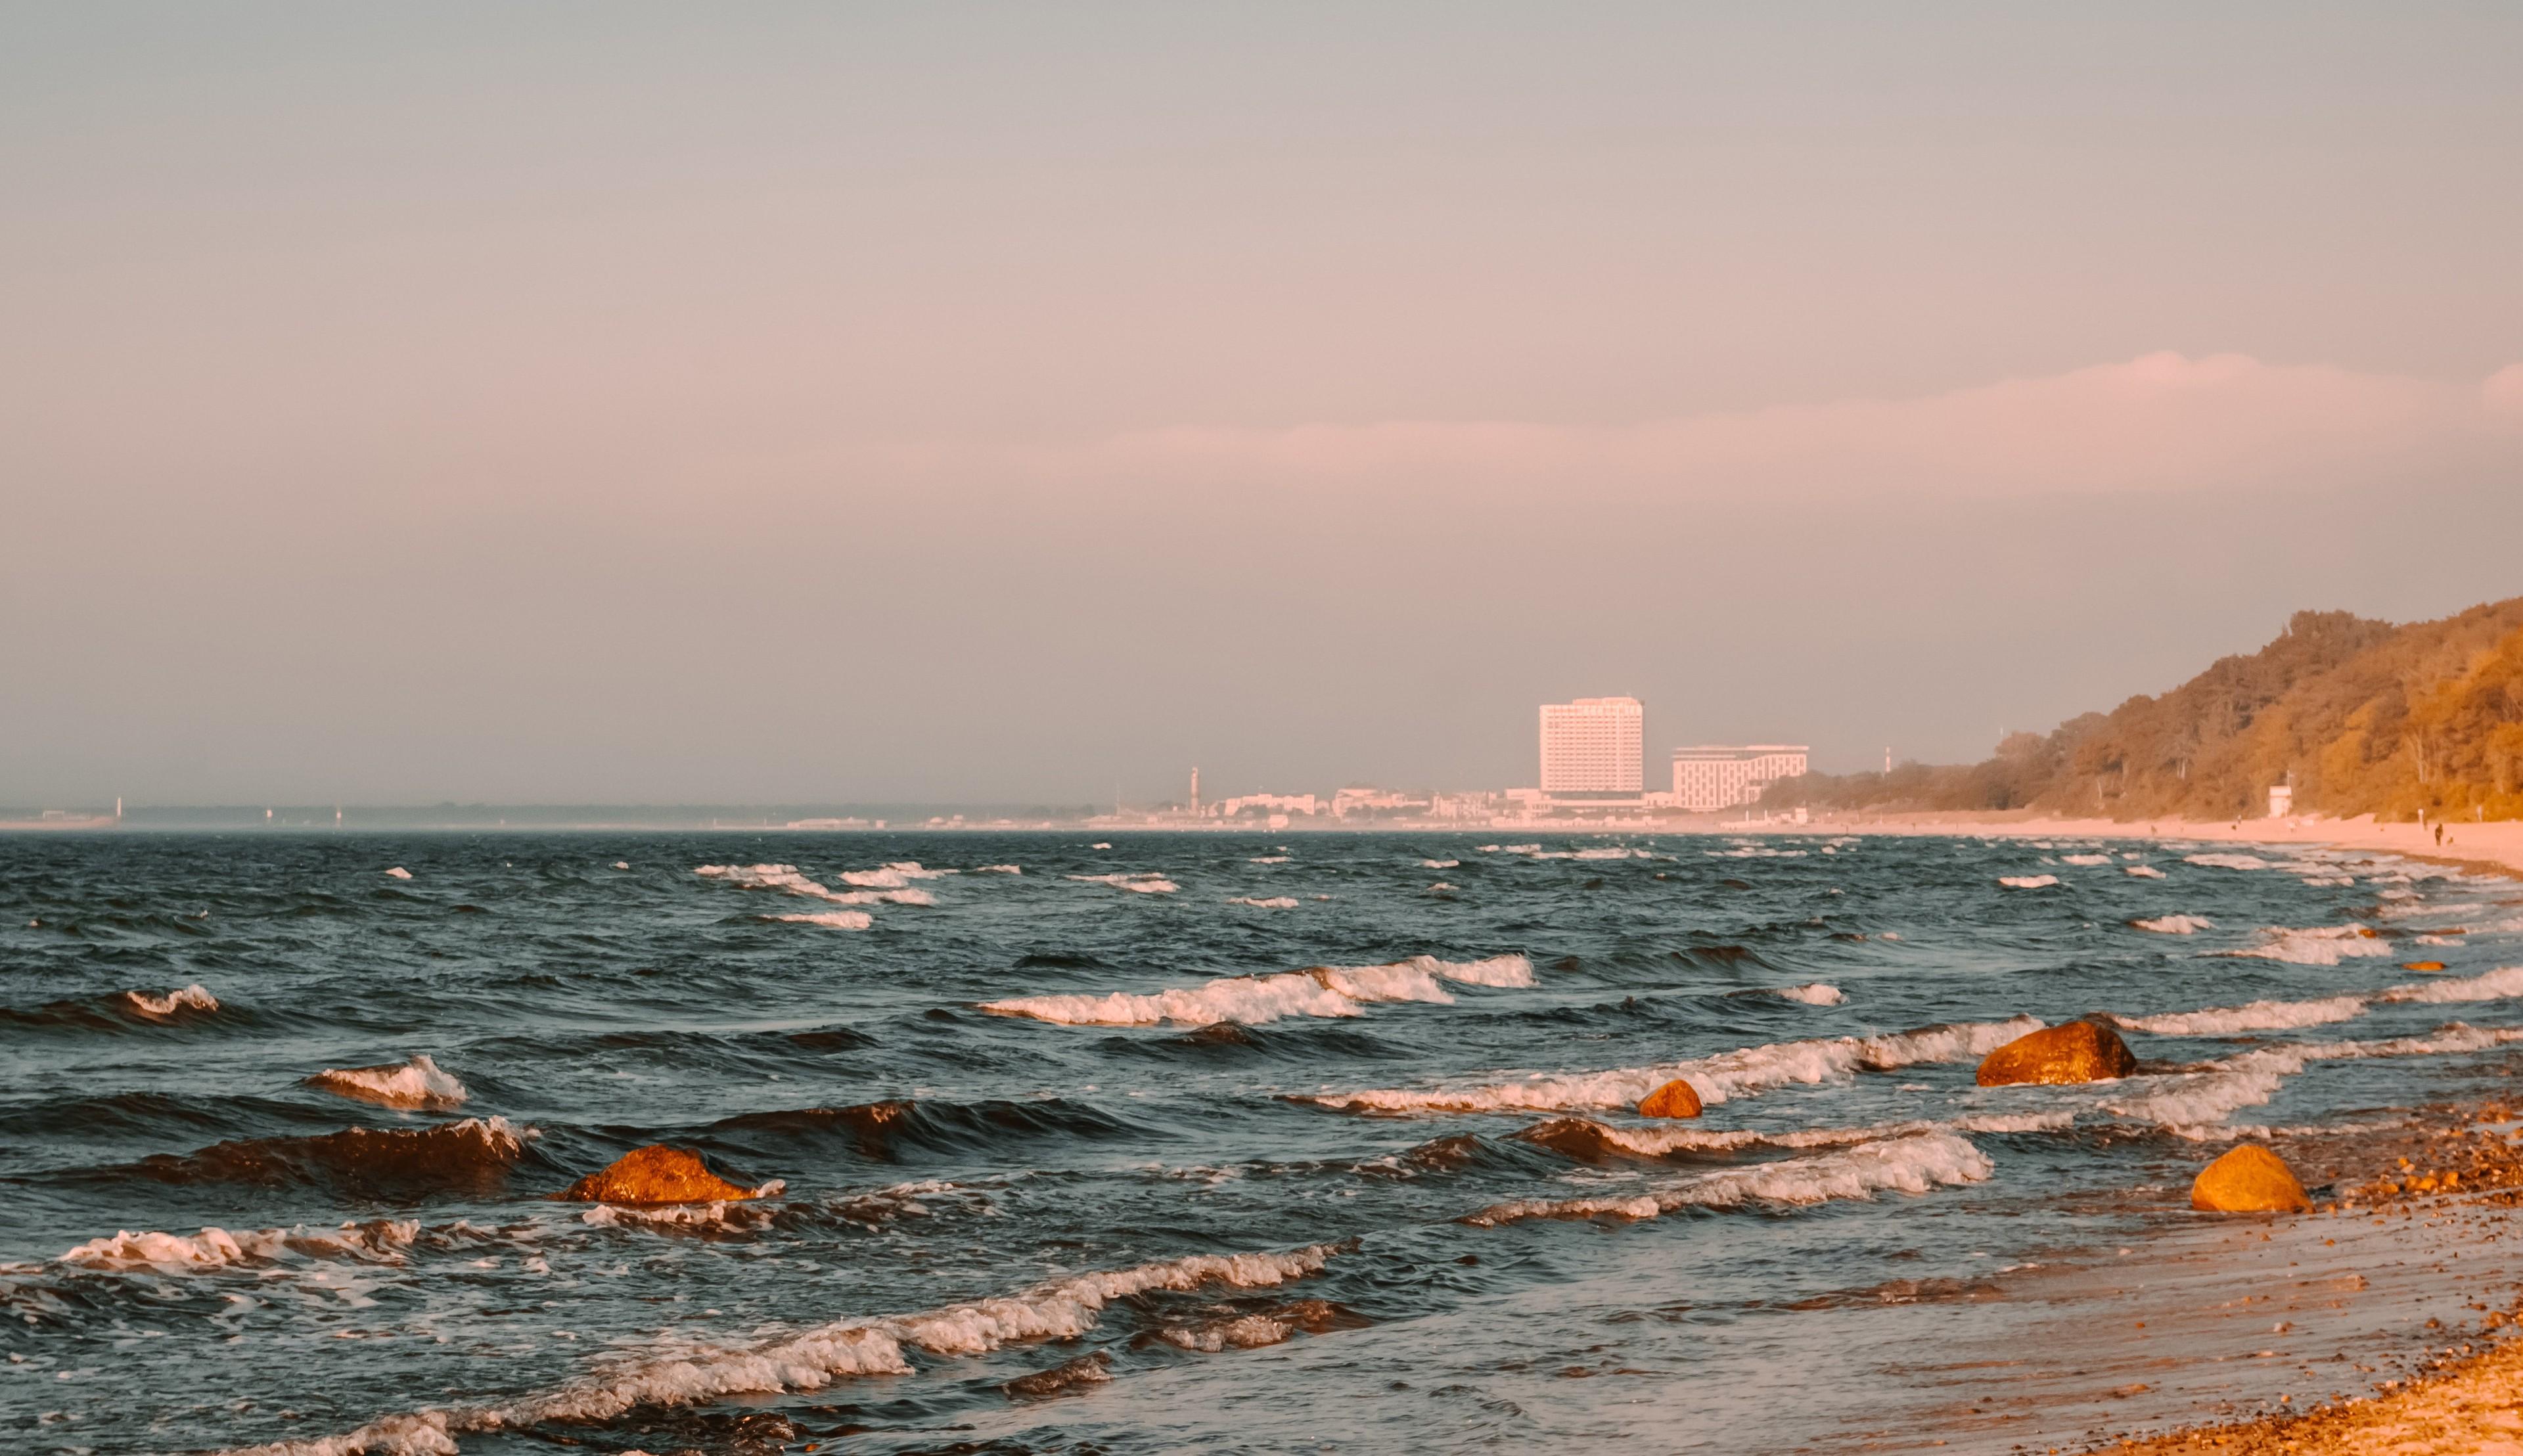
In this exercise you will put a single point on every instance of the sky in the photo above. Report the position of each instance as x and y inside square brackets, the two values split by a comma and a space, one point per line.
[620, 402]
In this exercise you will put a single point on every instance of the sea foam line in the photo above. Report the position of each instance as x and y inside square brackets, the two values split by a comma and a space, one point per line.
[1320, 991]
[813, 1358]
[1744, 1072]
[1911, 1166]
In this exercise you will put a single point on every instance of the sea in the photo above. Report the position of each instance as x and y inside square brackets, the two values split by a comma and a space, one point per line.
[1140, 1142]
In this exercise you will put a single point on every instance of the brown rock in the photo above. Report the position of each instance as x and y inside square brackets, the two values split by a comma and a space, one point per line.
[2078, 1051]
[1674, 1099]
[2249, 1179]
[656, 1174]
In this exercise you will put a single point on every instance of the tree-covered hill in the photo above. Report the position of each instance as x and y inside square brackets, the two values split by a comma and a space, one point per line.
[2360, 716]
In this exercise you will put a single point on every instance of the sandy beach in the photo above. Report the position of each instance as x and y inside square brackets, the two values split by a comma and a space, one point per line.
[2495, 845]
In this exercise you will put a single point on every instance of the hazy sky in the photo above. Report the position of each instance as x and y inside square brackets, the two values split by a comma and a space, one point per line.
[638, 403]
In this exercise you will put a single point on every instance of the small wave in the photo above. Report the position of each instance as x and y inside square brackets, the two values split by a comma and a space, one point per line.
[417, 1083]
[1912, 1166]
[1267, 860]
[2175, 924]
[1589, 1141]
[1145, 882]
[1727, 1074]
[2258, 1015]
[1442, 888]
[2324, 945]
[2496, 985]
[2084, 858]
[2227, 862]
[831, 919]
[813, 1358]
[2142, 872]
[998, 870]
[1274, 902]
[1440, 864]
[399, 873]
[2191, 1104]
[687, 1218]
[1320, 991]
[472, 1155]
[2027, 881]
[1261, 1328]
[381, 1241]
[1814, 993]
[192, 998]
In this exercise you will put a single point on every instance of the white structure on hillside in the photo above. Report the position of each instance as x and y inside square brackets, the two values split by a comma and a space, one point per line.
[1593, 746]
[1715, 775]
[2281, 800]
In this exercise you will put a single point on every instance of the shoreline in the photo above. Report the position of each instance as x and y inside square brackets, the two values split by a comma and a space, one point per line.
[2495, 845]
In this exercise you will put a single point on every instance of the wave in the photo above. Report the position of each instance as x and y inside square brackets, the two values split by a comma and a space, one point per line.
[1814, 993]
[1259, 1328]
[2027, 881]
[1320, 991]
[2142, 872]
[2175, 924]
[2320, 945]
[831, 919]
[691, 1374]
[1589, 1141]
[1912, 1166]
[192, 998]
[2280, 1015]
[1719, 1078]
[419, 1083]
[1145, 882]
[2496, 985]
[1440, 864]
[474, 1154]
[1273, 902]
[2084, 858]
[380, 1241]
[998, 870]
[2227, 862]
[2190, 1102]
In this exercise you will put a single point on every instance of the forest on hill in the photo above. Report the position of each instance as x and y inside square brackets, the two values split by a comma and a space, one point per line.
[2360, 716]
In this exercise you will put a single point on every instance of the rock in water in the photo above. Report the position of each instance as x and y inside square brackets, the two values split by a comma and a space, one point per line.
[1674, 1099]
[2422, 965]
[2249, 1179]
[2078, 1051]
[656, 1174]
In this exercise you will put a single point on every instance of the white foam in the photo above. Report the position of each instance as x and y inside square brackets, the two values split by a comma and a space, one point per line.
[1745, 1072]
[2027, 881]
[192, 998]
[888, 879]
[1911, 1166]
[2497, 985]
[399, 873]
[2142, 872]
[787, 879]
[1440, 864]
[1441, 888]
[2227, 862]
[2176, 924]
[831, 919]
[1320, 991]
[1144, 884]
[382, 1241]
[2189, 1103]
[999, 870]
[913, 869]
[2258, 1015]
[1268, 860]
[1662, 1140]
[417, 1083]
[679, 1373]
[622, 864]
[1273, 902]
[2084, 858]
[1814, 993]
[2320, 945]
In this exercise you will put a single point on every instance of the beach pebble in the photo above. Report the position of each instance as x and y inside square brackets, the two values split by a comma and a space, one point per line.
[2077, 1051]
[2249, 1179]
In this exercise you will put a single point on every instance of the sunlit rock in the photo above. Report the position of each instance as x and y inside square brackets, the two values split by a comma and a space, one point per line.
[656, 1174]
[2249, 1179]
[1674, 1099]
[2078, 1051]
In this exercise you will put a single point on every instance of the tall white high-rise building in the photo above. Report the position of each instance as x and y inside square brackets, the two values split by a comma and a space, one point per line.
[1718, 775]
[1593, 746]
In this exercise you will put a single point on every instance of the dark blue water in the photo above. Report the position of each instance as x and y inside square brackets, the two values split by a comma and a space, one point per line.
[1453, 1232]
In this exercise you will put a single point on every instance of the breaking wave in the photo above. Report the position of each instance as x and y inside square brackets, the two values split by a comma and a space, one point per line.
[1814, 993]
[691, 1373]
[1719, 1078]
[418, 1082]
[2027, 881]
[1911, 1166]
[831, 919]
[2227, 862]
[1146, 882]
[2175, 924]
[1272, 902]
[192, 998]
[2323, 945]
[2190, 1104]
[1320, 991]
[377, 1242]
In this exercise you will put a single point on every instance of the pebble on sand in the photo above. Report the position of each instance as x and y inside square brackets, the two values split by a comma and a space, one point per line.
[2249, 1179]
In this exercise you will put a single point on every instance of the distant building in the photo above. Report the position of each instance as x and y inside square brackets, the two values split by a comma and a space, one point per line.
[1715, 775]
[1266, 804]
[1593, 746]
[2281, 800]
[1367, 801]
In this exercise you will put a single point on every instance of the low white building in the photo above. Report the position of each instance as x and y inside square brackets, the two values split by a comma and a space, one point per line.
[1717, 776]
